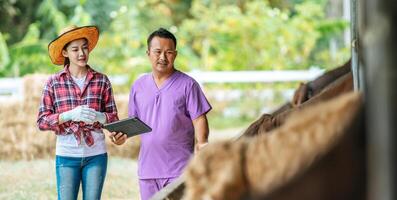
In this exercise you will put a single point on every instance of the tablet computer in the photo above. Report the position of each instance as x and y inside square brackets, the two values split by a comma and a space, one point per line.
[131, 126]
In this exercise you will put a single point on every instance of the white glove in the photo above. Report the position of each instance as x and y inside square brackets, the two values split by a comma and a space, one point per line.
[80, 113]
[99, 117]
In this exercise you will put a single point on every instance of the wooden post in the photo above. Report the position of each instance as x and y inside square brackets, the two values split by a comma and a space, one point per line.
[380, 60]
[354, 44]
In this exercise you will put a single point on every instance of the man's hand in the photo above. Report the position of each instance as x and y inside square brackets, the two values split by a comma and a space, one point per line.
[117, 138]
[201, 131]
[199, 146]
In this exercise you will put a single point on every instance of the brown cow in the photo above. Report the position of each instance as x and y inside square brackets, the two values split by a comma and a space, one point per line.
[312, 88]
[321, 89]
[257, 166]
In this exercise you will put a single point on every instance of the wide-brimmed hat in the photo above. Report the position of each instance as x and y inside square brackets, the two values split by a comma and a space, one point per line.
[68, 34]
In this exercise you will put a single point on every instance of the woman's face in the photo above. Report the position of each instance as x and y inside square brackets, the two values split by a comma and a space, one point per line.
[77, 52]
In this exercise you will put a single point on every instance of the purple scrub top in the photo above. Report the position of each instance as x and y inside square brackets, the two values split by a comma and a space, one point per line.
[169, 111]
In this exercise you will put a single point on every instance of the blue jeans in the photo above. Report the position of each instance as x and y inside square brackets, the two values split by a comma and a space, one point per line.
[70, 171]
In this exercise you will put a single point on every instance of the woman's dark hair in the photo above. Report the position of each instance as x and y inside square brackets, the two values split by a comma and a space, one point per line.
[162, 33]
[67, 61]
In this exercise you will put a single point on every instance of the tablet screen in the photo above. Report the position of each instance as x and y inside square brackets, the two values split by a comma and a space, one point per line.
[131, 126]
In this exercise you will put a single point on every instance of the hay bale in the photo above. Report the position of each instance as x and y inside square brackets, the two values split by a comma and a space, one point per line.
[33, 85]
[20, 137]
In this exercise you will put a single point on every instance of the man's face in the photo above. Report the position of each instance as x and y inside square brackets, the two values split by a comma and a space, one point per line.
[162, 54]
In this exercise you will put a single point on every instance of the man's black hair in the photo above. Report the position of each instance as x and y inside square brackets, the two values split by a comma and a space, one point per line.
[162, 33]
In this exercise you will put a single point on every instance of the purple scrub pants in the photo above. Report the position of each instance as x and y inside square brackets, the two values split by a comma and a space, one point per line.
[149, 187]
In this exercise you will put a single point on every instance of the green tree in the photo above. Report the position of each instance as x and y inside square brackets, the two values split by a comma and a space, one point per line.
[212, 35]
[260, 38]
[27, 56]
[16, 16]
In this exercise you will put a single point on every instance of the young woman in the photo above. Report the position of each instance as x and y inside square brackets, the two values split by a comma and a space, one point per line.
[76, 102]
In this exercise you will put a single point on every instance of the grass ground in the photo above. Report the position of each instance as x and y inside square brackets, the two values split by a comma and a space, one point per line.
[36, 180]
[20, 180]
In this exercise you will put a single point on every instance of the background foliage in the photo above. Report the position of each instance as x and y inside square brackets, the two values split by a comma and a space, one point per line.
[212, 35]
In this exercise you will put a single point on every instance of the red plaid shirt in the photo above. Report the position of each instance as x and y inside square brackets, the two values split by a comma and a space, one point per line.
[62, 94]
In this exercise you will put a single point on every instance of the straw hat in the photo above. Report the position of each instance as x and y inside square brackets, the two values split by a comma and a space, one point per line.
[68, 34]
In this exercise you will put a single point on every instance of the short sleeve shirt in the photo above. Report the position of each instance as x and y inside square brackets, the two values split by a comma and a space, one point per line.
[169, 111]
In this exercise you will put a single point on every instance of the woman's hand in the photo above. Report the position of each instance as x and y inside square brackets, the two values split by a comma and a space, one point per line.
[117, 138]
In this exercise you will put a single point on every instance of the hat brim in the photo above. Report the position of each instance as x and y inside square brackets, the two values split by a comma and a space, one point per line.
[91, 33]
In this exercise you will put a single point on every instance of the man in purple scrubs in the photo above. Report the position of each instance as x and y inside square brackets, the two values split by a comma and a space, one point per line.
[175, 107]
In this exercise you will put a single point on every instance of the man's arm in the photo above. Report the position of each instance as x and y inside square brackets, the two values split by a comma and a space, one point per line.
[201, 131]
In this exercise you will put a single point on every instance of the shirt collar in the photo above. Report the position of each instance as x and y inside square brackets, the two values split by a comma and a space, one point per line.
[65, 71]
